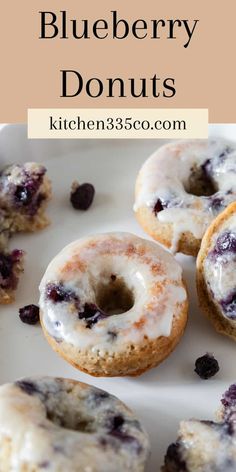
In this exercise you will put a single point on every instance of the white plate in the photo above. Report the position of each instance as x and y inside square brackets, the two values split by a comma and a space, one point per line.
[162, 396]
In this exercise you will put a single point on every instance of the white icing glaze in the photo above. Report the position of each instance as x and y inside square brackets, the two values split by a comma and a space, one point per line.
[220, 271]
[151, 273]
[207, 446]
[165, 176]
[34, 424]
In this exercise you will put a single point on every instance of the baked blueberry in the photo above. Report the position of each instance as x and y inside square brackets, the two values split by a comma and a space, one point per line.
[10, 267]
[92, 314]
[58, 293]
[217, 203]
[229, 397]
[158, 206]
[226, 242]
[229, 305]
[174, 462]
[27, 386]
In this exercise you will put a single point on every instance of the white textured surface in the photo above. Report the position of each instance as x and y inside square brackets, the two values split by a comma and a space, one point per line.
[162, 396]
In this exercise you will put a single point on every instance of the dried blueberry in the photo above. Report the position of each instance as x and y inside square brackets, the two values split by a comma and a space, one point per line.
[29, 314]
[82, 196]
[206, 366]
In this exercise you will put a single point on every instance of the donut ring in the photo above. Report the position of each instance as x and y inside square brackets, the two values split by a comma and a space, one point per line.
[60, 425]
[216, 268]
[113, 304]
[182, 187]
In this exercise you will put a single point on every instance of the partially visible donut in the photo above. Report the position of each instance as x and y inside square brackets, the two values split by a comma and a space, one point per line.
[182, 187]
[60, 425]
[113, 304]
[206, 446]
[24, 194]
[216, 272]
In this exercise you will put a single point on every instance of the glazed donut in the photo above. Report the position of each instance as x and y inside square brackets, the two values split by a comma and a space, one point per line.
[113, 304]
[182, 187]
[206, 446]
[60, 425]
[216, 268]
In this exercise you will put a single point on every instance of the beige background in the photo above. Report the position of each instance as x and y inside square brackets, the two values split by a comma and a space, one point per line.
[204, 72]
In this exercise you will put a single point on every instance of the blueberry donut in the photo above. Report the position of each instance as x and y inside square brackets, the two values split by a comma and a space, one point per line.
[113, 304]
[24, 194]
[206, 446]
[182, 187]
[60, 425]
[216, 272]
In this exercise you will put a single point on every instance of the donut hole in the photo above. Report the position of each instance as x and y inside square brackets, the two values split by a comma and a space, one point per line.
[200, 183]
[114, 297]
